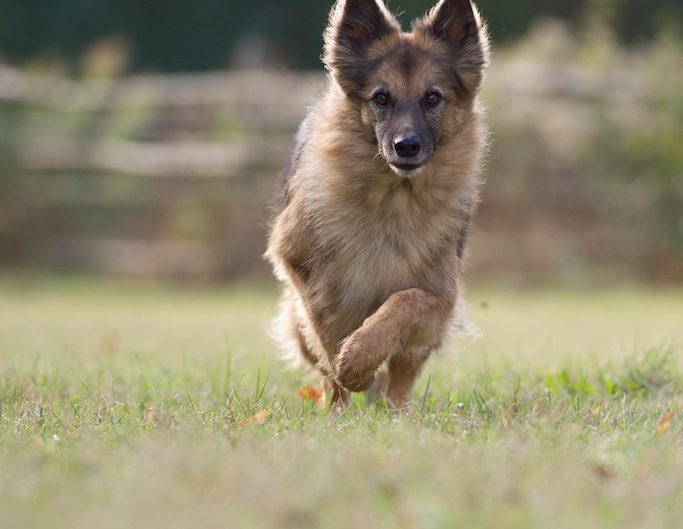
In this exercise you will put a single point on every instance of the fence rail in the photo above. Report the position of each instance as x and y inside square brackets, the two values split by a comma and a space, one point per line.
[174, 174]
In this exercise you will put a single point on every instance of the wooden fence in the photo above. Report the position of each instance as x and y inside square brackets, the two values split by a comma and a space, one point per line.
[173, 175]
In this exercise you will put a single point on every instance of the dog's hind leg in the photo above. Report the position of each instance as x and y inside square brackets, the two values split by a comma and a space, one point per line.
[404, 367]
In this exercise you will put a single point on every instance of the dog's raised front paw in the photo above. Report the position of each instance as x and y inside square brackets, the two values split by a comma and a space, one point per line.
[360, 356]
[349, 373]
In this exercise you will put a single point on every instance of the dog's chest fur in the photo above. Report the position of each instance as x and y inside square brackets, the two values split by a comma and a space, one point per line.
[382, 238]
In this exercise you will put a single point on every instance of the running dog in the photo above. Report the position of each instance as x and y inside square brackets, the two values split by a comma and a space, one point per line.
[379, 195]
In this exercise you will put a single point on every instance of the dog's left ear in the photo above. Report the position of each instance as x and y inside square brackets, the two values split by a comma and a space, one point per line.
[458, 24]
[354, 26]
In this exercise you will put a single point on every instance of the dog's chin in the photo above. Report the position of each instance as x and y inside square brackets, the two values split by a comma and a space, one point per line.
[407, 170]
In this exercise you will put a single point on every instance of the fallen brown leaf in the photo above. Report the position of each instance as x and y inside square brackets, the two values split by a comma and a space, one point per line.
[149, 416]
[109, 344]
[311, 393]
[604, 471]
[257, 418]
[665, 423]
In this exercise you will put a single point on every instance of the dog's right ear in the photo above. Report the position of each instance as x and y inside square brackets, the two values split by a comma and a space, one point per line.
[354, 25]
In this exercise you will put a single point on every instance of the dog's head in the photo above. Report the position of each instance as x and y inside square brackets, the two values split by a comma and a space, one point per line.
[411, 89]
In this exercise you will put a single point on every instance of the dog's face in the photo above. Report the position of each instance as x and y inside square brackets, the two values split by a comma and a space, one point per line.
[410, 88]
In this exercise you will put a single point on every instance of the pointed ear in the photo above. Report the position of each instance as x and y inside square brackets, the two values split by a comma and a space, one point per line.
[458, 24]
[452, 20]
[354, 25]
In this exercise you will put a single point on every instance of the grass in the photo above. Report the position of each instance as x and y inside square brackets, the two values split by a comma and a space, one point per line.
[140, 405]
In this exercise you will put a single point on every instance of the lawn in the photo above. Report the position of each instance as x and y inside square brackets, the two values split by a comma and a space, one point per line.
[138, 405]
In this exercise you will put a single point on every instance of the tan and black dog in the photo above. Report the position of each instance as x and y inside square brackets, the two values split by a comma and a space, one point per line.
[379, 195]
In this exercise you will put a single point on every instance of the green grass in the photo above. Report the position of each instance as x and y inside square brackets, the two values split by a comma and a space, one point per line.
[132, 405]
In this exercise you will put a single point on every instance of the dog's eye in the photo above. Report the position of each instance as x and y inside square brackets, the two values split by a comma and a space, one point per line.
[432, 98]
[381, 99]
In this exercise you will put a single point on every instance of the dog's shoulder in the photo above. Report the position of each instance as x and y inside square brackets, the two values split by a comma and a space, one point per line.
[300, 141]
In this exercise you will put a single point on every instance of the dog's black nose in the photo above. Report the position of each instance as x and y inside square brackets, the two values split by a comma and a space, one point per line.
[407, 147]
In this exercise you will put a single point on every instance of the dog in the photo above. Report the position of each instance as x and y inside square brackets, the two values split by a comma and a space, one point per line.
[379, 195]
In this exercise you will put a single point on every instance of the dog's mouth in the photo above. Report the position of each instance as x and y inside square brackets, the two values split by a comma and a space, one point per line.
[406, 169]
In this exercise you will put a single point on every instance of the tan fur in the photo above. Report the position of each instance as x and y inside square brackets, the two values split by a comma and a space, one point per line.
[370, 261]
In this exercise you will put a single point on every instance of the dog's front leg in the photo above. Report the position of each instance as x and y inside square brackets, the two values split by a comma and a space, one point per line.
[381, 334]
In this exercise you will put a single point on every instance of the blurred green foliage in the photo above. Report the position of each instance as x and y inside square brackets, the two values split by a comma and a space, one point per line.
[179, 35]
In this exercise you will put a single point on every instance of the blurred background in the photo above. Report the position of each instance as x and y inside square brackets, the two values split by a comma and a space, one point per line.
[145, 138]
